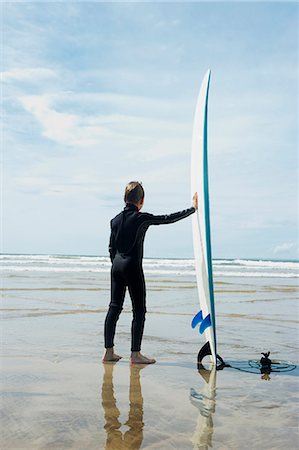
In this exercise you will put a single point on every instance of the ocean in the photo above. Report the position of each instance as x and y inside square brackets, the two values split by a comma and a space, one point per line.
[177, 267]
[56, 394]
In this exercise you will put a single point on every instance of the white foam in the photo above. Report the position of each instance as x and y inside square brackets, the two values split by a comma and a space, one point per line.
[33, 257]
[58, 263]
[53, 257]
[169, 272]
[175, 267]
[147, 271]
[52, 269]
[272, 264]
[257, 274]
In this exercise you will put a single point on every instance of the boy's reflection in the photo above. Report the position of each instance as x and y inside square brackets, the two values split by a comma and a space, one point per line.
[131, 439]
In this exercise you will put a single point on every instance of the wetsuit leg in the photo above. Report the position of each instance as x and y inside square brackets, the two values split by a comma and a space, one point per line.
[136, 285]
[118, 291]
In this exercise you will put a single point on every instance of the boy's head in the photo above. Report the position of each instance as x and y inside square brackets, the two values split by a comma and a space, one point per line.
[134, 193]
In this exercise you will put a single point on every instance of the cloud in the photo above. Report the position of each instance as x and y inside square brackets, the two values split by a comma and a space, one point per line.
[28, 74]
[81, 128]
[75, 185]
[284, 248]
[62, 127]
[133, 105]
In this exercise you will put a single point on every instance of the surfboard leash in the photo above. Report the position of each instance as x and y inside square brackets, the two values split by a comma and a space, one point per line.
[264, 366]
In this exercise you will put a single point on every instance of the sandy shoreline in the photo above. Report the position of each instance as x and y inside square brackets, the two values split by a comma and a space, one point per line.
[69, 404]
[56, 394]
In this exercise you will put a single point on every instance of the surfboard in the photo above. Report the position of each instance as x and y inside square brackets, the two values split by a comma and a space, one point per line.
[205, 318]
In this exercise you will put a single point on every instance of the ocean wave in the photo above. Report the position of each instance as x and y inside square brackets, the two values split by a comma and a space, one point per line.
[156, 262]
[165, 263]
[152, 266]
[33, 257]
[150, 271]
[52, 269]
[262, 263]
[26, 259]
[57, 262]
[168, 261]
[169, 272]
[257, 274]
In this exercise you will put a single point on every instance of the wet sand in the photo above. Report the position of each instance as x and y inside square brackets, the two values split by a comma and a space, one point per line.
[56, 393]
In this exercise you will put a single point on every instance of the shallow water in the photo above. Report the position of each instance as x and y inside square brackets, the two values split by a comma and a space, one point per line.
[58, 395]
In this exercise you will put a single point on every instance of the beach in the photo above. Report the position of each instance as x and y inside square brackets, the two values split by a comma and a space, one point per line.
[56, 393]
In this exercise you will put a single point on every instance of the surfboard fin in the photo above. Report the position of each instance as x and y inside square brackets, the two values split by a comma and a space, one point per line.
[205, 351]
[197, 319]
[205, 322]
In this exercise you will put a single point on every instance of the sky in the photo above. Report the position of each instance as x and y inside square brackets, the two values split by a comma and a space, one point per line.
[98, 94]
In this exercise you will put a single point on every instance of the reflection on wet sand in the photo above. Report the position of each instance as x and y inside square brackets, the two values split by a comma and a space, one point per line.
[206, 404]
[131, 439]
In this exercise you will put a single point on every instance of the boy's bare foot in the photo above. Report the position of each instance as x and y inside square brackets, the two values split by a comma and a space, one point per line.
[138, 358]
[110, 356]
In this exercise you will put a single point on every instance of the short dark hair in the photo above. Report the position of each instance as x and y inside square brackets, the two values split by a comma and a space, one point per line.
[134, 192]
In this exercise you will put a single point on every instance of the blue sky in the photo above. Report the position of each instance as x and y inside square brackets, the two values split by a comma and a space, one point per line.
[98, 94]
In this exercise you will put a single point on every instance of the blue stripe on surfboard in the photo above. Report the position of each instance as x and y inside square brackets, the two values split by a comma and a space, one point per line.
[207, 214]
[206, 323]
[197, 319]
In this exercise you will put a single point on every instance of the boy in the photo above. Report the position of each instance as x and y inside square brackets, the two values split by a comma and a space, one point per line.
[126, 252]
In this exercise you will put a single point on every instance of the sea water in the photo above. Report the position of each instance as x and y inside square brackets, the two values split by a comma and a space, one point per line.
[101, 264]
[54, 385]
[247, 292]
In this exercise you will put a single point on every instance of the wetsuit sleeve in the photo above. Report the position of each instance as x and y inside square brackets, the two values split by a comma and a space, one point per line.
[112, 247]
[169, 218]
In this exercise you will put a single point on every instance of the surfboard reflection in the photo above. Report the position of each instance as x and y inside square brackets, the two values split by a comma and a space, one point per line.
[205, 402]
[133, 437]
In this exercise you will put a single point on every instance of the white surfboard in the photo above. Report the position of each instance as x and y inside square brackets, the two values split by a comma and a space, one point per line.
[205, 319]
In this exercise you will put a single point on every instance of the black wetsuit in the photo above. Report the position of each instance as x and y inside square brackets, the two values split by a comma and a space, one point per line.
[126, 251]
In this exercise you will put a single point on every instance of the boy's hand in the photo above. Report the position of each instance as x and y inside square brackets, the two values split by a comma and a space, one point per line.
[195, 201]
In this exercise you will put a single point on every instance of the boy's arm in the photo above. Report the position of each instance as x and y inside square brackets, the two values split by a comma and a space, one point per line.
[171, 218]
[112, 248]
